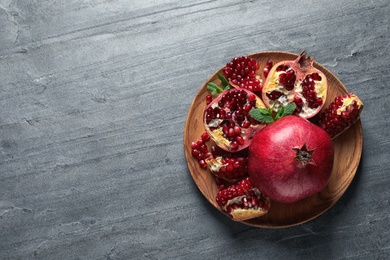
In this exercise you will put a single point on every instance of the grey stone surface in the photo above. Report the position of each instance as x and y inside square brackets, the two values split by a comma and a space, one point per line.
[93, 100]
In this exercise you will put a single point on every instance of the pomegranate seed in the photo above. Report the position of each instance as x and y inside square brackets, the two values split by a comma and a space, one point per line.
[203, 164]
[203, 148]
[209, 98]
[234, 145]
[240, 140]
[214, 150]
[274, 95]
[267, 68]
[195, 153]
[208, 155]
[205, 137]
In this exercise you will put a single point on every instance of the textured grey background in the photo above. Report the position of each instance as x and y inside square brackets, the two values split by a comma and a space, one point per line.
[93, 100]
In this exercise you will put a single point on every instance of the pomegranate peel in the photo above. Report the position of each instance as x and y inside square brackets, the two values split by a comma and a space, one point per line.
[290, 159]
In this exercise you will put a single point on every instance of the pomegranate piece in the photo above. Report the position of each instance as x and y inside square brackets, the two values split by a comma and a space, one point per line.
[242, 201]
[290, 159]
[296, 81]
[342, 113]
[241, 73]
[228, 122]
[229, 168]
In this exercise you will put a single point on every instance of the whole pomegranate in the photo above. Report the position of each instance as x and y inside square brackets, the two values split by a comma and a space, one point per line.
[227, 119]
[296, 81]
[290, 159]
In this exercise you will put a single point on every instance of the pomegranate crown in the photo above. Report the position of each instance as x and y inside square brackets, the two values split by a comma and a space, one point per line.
[305, 61]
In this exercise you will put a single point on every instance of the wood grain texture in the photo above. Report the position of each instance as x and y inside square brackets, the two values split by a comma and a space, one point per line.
[93, 101]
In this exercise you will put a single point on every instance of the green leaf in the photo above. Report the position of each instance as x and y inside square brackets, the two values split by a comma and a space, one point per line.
[214, 88]
[262, 115]
[289, 109]
[279, 114]
[225, 82]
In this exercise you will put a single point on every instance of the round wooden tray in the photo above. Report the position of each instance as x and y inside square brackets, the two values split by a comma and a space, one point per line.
[348, 150]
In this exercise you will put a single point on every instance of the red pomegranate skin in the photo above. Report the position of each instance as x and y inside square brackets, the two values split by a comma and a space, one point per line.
[272, 165]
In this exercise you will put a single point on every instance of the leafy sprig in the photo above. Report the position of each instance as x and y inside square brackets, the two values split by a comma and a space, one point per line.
[215, 89]
[267, 116]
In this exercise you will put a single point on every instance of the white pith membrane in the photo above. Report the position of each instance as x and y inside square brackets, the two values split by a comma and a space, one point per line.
[288, 96]
[215, 164]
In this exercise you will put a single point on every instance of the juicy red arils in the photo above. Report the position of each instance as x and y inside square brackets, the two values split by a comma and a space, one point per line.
[242, 197]
[228, 167]
[241, 71]
[199, 150]
[308, 90]
[267, 68]
[274, 95]
[227, 119]
[288, 79]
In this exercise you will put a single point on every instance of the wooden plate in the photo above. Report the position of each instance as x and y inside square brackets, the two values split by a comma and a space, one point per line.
[348, 150]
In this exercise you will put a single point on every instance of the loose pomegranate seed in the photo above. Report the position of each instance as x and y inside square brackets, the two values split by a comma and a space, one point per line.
[267, 68]
[209, 98]
[203, 164]
[199, 150]
[205, 136]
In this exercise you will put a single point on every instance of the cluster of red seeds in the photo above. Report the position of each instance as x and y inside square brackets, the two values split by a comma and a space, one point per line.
[288, 78]
[267, 68]
[249, 198]
[234, 168]
[200, 151]
[241, 71]
[308, 90]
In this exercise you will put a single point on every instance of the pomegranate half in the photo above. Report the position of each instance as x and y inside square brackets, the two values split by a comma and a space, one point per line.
[290, 159]
[296, 81]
